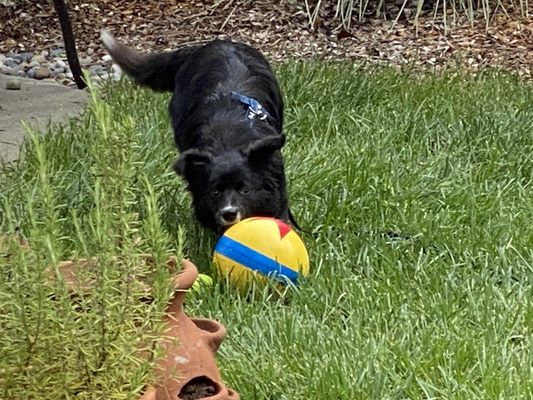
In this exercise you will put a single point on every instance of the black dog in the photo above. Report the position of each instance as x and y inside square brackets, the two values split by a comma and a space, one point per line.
[227, 117]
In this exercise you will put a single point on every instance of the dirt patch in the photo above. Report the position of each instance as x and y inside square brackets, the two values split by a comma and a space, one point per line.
[280, 29]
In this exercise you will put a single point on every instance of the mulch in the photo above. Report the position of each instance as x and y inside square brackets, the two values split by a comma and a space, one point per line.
[281, 29]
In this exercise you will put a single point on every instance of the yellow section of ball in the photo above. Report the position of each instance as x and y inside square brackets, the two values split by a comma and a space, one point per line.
[238, 274]
[256, 247]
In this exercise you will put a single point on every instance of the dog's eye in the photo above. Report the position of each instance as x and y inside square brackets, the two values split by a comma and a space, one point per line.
[215, 193]
[245, 191]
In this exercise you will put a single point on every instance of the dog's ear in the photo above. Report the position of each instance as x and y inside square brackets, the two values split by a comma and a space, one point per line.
[191, 160]
[264, 147]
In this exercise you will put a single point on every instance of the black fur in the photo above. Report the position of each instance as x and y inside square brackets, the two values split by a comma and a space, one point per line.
[225, 157]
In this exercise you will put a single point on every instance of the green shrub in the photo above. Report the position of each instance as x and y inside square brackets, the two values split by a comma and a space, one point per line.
[82, 191]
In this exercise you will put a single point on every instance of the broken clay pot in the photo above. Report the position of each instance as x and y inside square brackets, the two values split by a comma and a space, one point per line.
[188, 370]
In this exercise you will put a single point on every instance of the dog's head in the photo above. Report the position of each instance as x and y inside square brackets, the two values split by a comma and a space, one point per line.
[232, 185]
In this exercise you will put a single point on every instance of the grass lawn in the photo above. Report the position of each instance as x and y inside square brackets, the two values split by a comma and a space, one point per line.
[416, 200]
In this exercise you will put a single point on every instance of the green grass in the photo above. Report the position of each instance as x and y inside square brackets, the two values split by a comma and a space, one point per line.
[415, 196]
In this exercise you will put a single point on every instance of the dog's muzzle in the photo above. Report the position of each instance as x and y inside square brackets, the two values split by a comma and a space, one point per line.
[228, 216]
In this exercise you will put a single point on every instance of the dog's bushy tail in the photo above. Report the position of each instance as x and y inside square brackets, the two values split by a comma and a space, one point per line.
[156, 71]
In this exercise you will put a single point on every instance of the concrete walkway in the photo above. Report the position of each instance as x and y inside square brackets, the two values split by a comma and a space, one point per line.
[36, 103]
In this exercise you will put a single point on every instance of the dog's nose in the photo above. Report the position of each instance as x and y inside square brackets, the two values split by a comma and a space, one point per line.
[230, 215]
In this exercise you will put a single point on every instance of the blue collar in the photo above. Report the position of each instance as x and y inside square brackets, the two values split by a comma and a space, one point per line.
[255, 109]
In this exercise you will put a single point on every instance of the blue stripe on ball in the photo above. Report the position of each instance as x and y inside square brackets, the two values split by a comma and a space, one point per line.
[254, 260]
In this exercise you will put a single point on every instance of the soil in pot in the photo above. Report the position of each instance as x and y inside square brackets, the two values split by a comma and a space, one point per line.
[198, 388]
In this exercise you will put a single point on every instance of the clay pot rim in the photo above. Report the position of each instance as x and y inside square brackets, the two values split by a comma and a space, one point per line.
[205, 323]
[230, 394]
[182, 279]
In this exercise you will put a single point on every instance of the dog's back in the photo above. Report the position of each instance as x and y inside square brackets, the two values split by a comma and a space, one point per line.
[203, 86]
[201, 76]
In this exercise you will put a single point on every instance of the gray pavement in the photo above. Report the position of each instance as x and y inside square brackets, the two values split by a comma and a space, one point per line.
[36, 103]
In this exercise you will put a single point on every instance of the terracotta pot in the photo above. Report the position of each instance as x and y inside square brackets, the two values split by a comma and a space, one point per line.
[189, 370]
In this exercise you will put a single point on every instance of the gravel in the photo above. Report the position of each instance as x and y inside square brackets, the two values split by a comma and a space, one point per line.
[53, 64]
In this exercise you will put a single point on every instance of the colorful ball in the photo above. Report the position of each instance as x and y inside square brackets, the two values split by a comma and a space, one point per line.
[261, 248]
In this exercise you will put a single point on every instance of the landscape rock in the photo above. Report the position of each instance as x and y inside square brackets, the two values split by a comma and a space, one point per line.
[11, 62]
[13, 84]
[26, 56]
[38, 58]
[96, 70]
[85, 61]
[20, 57]
[60, 64]
[31, 72]
[42, 73]
[7, 70]
[23, 66]
[57, 53]
[56, 71]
